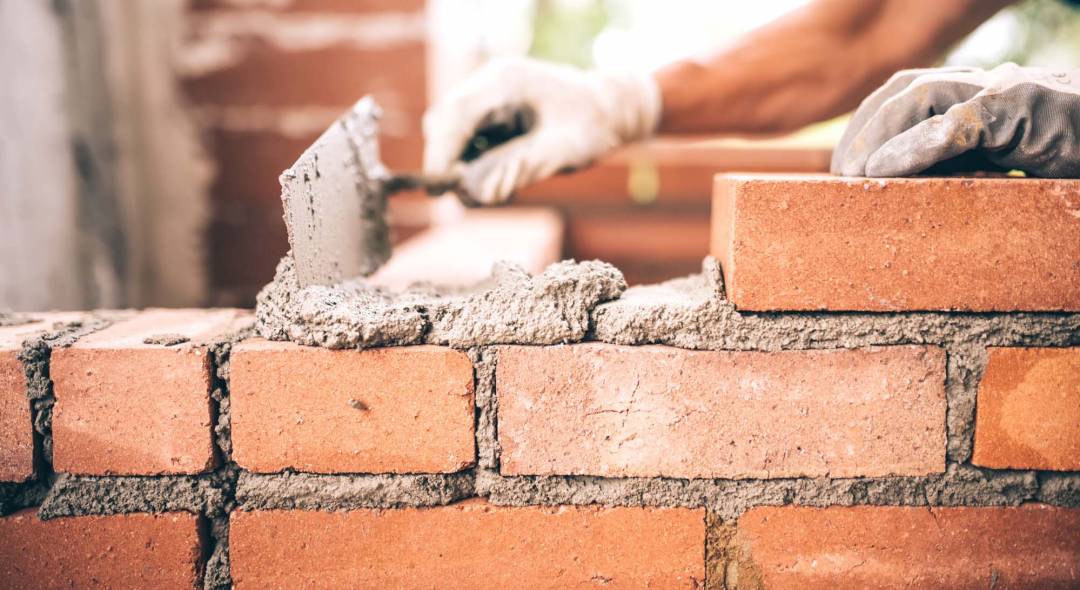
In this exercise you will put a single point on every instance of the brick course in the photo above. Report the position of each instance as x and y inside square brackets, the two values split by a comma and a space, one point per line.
[1033, 546]
[127, 407]
[601, 409]
[1028, 410]
[470, 545]
[122, 551]
[817, 242]
[395, 410]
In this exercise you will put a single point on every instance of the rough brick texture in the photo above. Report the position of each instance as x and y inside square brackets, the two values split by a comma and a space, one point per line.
[1033, 546]
[601, 409]
[395, 410]
[1028, 413]
[16, 429]
[122, 551]
[469, 545]
[817, 242]
[16, 434]
[127, 407]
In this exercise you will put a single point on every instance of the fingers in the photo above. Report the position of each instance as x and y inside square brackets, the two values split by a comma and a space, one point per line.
[869, 106]
[495, 176]
[449, 124]
[926, 96]
[930, 142]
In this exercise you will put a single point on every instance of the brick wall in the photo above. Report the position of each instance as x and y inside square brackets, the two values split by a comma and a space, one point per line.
[686, 443]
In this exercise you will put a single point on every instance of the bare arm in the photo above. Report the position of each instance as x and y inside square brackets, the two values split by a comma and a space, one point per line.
[816, 63]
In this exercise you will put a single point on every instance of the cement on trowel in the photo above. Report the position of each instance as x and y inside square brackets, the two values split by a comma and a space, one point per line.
[335, 207]
[511, 307]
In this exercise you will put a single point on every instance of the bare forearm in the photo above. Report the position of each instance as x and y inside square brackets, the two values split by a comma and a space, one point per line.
[813, 64]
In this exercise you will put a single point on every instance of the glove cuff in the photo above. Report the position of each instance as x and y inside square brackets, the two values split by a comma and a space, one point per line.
[635, 104]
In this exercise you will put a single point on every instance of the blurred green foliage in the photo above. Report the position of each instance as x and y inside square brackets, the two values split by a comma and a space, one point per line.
[1049, 34]
[564, 31]
[1047, 31]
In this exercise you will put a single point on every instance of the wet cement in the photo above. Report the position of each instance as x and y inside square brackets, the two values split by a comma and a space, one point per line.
[511, 306]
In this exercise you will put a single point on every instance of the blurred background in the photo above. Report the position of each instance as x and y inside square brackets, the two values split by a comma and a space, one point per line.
[141, 141]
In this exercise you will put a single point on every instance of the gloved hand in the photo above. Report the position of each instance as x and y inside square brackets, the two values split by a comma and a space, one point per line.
[1006, 118]
[575, 116]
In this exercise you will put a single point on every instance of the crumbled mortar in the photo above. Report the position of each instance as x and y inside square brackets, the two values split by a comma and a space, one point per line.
[510, 307]
[960, 485]
[11, 318]
[307, 491]
[166, 339]
[691, 312]
[487, 407]
[74, 495]
[1060, 489]
[217, 574]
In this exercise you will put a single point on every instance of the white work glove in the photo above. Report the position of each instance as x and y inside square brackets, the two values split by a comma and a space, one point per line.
[573, 117]
[1010, 117]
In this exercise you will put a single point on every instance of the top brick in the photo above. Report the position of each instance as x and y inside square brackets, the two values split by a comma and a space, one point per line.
[134, 398]
[816, 242]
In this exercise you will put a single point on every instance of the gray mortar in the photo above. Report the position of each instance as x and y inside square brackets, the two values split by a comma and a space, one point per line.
[217, 573]
[11, 318]
[510, 307]
[1059, 489]
[166, 339]
[487, 407]
[692, 313]
[73, 495]
[960, 485]
[307, 491]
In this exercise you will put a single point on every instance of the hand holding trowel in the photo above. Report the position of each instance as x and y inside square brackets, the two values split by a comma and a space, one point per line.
[335, 195]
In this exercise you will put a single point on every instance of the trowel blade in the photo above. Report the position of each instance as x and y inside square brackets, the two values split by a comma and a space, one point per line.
[335, 206]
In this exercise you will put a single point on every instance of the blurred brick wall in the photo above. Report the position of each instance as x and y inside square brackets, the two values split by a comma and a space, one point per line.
[264, 79]
[645, 209]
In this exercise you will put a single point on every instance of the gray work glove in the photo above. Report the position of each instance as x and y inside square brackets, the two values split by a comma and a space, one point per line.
[952, 119]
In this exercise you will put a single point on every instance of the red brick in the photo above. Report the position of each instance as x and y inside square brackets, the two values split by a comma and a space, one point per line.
[1031, 546]
[648, 244]
[16, 431]
[602, 409]
[390, 410]
[1028, 414]
[817, 242]
[122, 551]
[16, 428]
[682, 170]
[642, 235]
[126, 407]
[335, 75]
[469, 545]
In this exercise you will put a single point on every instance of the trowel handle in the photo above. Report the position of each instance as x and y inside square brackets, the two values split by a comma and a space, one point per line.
[433, 184]
[498, 127]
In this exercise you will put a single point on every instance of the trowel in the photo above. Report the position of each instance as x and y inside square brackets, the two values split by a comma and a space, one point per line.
[335, 195]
